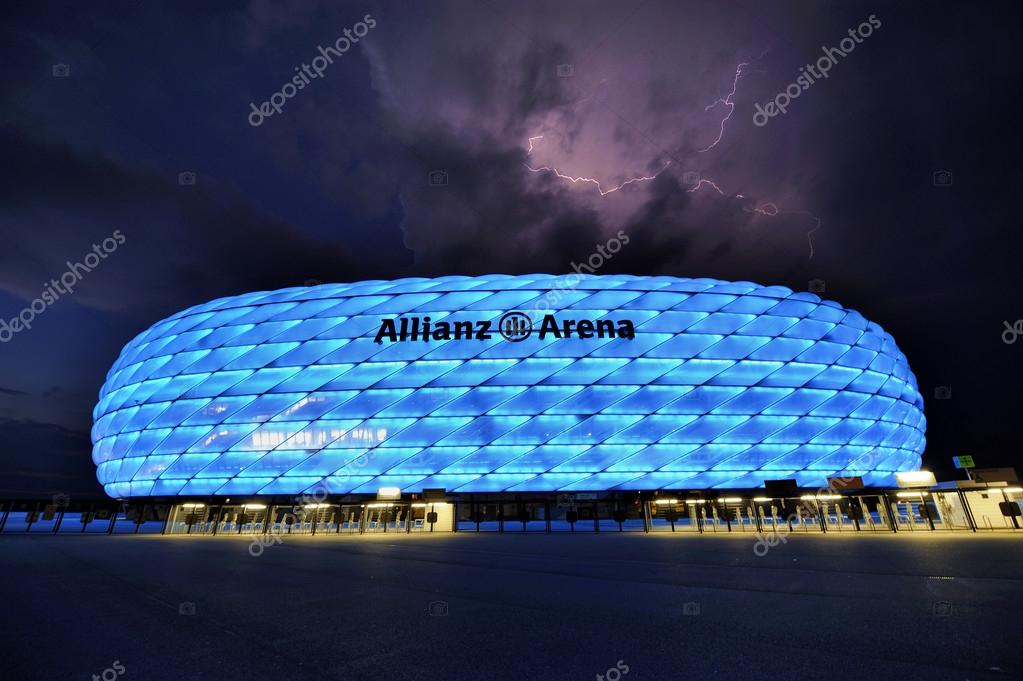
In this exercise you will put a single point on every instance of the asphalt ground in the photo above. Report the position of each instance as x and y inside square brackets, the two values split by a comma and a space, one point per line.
[518, 607]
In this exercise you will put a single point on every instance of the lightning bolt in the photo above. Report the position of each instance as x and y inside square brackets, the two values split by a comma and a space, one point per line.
[767, 209]
[727, 101]
[591, 180]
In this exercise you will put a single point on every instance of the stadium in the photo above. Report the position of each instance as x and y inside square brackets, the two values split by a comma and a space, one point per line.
[473, 393]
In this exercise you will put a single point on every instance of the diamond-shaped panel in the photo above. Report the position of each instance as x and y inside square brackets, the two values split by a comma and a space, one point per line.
[724, 385]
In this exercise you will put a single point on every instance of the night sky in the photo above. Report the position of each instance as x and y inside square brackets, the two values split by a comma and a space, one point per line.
[102, 111]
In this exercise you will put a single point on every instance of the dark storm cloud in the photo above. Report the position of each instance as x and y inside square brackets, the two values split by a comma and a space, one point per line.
[676, 232]
[539, 89]
[467, 102]
[173, 232]
[624, 111]
[484, 219]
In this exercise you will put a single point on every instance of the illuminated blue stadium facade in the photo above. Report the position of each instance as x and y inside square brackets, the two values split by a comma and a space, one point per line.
[722, 385]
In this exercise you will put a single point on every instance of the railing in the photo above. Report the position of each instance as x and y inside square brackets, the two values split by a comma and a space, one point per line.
[874, 512]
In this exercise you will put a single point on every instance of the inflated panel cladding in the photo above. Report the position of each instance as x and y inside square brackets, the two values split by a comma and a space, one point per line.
[723, 385]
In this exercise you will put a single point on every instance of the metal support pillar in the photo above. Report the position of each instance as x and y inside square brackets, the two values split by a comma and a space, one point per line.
[888, 512]
[32, 517]
[60, 519]
[967, 511]
[113, 519]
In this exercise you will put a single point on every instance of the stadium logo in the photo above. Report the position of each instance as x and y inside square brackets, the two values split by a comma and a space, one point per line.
[513, 326]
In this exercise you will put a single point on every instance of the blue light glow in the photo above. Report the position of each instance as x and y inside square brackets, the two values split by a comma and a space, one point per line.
[724, 385]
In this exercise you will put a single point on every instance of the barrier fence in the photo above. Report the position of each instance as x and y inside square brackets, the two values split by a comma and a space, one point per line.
[975, 510]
